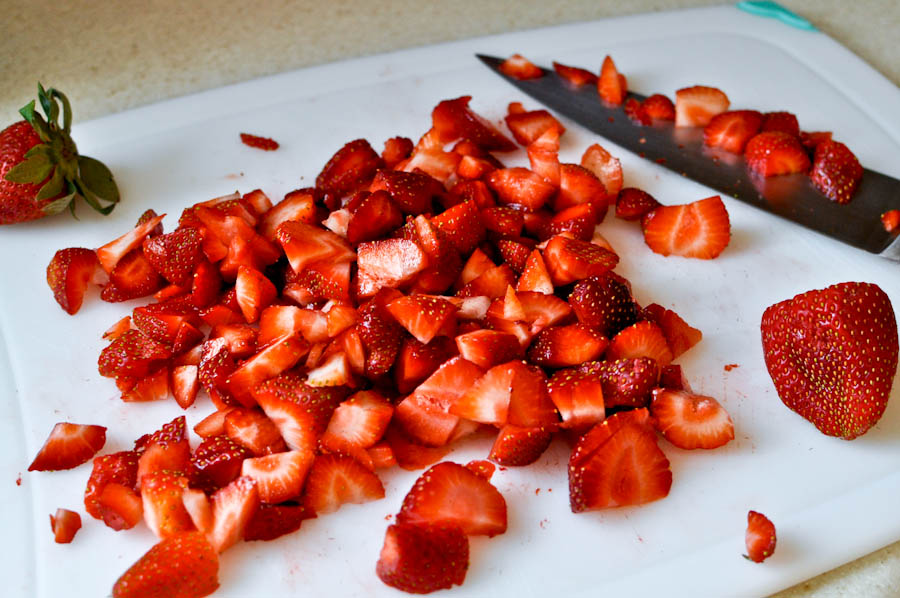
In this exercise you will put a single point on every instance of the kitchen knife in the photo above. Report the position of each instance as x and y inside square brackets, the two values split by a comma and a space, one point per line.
[681, 150]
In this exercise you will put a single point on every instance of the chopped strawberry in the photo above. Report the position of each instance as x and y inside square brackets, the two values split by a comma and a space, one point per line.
[633, 204]
[577, 221]
[616, 464]
[535, 277]
[390, 262]
[254, 293]
[423, 558]
[163, 508]
[482, 468]
[671, 377]
[280, 476]
[296, 205]
[626, 382]
[110, 254]
[611, 85]
[487, 348]
[569, 260]
[581, 185]
[513, 392]
[760, 537]
[300, 412]
[607, 168]
[680, 336]
[659, 107]
[520, 186]
[117, 329]
[774, 153]
[691, 421]
[700, 229]
[563, 346]
[514, 253]
[349, 169]
[424, 316]
[68, 275]
[360, 422]
[416, 361]
[526, 127]
[891, 220]
[216, 462]
[232, 509]
[470, 190]
[519, 67]
[65, 524]
[696, 106]
[183, 565]
[502, 222]
[254, 431]
[781, 121]
[633, 110]
[477, 264]
[120, 506]
[273, 521]
[167, 449]
[603, 303]
[240, 339]
[175, 255]
[216, 365]
[68, 446]
[305, 244]
[578, 395]
[643, 339]
[835, 172]
[543, 155]
[462, 225]
[516, 446]
[450, 494]
[205, 286]
[492, 283]
[132, 277]
[453, 119]
[811, 140]
[115, 468]
[396, 149]
[426, 421]
[268, 363]
[375, 216]
[411, 455]
[732, 130]
[152, 387]
[575, 75]
[444, 387]
[335, 480]
[832, 355]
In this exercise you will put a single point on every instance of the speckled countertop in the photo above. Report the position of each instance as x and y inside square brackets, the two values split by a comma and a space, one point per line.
[111, 56]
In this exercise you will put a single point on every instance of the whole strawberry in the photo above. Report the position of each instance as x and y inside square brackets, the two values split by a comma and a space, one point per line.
[832, 354]
[41, 172]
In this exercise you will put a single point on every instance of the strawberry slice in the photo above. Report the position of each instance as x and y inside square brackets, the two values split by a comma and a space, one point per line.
[700, 229]
[519, 67]
[760, 537]
[642, 339]
[626, 382]
[360, 422]
[254, 292]
[450, 494]
[423, 558]
[427, 422]
[526, 127]
[445, 386]
[132, 277]
[691, 421]
[183, 565]
[516, 446]
[268, 363]
[680, 336]
[232, 509]
[164, 510]
[254, 431]
[580, 185]
[351, 167]
[280, 476]
[389, 263]
[563, 346]
[575, 75]
[273, 521]
[617, 464]
[396, 149]
[569, 260]
[785, 122]
[115, 468]
[305, 244]
[611, 85]
[68, 274]
[832, 354]
[521, 187]
[633, 203]
[413, 192]
[216, 462]
[453, 119]
[175, 255]
[68, 446]
[424, 316]
[607, 168]
[732, 130]
[120, 506]
[375, 217]
[487, 348]
[578, 395]
[696, 106]
[512, 392]
[335, 480]
[110, 254]
[774, 153]
[543, 155]
[301, 412]
[65, 524]
[603, 303]
[835, 172]
[296, 205]
[659, 107]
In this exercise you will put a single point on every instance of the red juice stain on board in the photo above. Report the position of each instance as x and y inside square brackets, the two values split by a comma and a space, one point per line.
[731, 366]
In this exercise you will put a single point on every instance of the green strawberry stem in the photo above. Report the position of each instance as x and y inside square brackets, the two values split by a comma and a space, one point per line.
[56, 160]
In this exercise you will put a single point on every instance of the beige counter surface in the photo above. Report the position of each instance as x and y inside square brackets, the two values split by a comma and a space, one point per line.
[111, 56]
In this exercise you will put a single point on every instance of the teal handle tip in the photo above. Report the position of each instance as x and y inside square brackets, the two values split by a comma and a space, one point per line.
[773, 10]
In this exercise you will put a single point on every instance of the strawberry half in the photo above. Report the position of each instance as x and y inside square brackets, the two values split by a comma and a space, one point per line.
[68, 275]
[68, 446]
[700, 229]
[421, 559]
[732, 130]
[835, 172]
[691, 421]
[183, 565]
[760, 537]
[279, 477]
[696, 106]
[832, 354]
[775, 153]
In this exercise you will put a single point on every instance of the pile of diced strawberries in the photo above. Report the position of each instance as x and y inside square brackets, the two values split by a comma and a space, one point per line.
[407, 301]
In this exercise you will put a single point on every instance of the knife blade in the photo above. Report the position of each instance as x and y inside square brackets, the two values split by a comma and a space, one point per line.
[681, 150]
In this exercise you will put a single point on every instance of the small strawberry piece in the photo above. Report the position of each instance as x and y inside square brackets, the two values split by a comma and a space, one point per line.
[280, 476]
[360, 422]
[633, 204]
[617, 464]
[502, 221]
[482, 468]
[672, 377]
[603, 303]
[118, 468]
[575, 75]
[216, 365]
[351, 167]
[335, 480]
[487, 348]
[68, 446]
[263, 143]
[68, 275]
[197, 504]
[175, 255]
[700, 229]
[416, 361]
[300, 412]
[273, 521]
[268, 363]
[120, 506]
[382, 455]
[775, 153]
[426, 422]
[216, 462]
[254, 293]
[254, 431]
[610, 85]
[516, 446]
[232, 509]
[514, 253]
[635, 114]
[732, 130]
[781, 121]
[643, 339]
[513, 392]
[375, 216]
[453, 119]
[64, 525]
[543, 155]
[132, 277]
[164, 510]
[891, 220]
[462, 225]
[680, 335]
[110, 254]
[152, 387]
[183, 566]
[470, 190]
[696, 106]
[240, 339]
[477, 264]
[493, 283]
[659, 107]
[569, 260]
[835, 172]
[396, 149]
[390, 262]
[535, 277]
[305, 244]
[520, 186]
[450, 494]
[409, 454]
[811, 140]
[691, 421]
[424, 316]
[607, 168]
[519, 67]
[527, 127]
[446, 385]
[117, 329]
[580, 185]
[422, 558]
[296, 205]
[832, 355]
[578, 395]
[257, 202]
[626, 382]
[205, 286]
[760, 537]
[563, 346]
[164, 456]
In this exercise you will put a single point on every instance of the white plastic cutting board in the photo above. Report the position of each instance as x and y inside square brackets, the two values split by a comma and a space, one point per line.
[831, 500]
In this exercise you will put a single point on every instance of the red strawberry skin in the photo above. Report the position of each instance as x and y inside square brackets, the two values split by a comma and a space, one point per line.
[832, 355]
[17, 202]
[422, 558]
[760, 537]
[184, 565]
